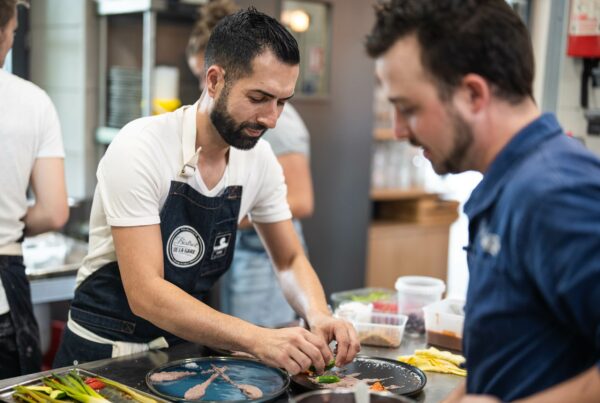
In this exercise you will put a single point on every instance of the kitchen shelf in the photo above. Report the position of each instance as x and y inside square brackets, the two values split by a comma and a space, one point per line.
[142, 34]
[399, 194]
[384, 133]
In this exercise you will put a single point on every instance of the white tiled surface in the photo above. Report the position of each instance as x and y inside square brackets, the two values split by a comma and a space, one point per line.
[58, 58]
[57, 12]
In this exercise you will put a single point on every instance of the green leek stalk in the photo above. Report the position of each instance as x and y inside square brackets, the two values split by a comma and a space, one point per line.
[137, 396]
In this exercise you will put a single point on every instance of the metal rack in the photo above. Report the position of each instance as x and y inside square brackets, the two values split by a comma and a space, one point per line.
[150, 10]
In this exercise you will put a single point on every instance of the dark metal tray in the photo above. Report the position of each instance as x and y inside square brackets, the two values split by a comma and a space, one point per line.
[409, 380]
[6, 393]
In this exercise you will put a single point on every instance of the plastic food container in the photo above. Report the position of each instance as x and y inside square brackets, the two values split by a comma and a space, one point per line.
[414, 292]
[376, 329]
[383, 299]
[444, 322]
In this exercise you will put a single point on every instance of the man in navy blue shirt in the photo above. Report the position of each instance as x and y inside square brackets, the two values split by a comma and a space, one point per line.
[459, 75]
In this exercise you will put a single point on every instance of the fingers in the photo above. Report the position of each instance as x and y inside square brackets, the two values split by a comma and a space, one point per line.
[347, 343]
[324, 354]
[296, 349]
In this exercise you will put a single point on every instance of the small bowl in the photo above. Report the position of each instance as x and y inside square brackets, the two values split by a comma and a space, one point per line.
[346, 396]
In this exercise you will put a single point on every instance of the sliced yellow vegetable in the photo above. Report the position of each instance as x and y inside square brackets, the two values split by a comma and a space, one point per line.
[434, 360]
[58, 394]
[45, 389]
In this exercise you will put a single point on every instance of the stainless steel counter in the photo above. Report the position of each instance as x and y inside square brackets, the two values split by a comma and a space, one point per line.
[132, 370]
[51, 262]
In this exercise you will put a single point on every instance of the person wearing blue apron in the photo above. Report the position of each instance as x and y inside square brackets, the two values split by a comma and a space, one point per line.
[31, 155]
[171, 191]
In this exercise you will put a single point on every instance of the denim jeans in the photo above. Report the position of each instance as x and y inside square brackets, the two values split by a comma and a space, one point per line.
[250, 290]
[9, 355]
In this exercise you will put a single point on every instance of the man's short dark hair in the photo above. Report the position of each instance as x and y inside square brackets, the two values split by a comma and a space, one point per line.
[458, 37]
[7, 10]
[240, 37]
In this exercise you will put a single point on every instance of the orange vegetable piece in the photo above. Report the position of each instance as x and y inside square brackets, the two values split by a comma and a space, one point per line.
[377, 386]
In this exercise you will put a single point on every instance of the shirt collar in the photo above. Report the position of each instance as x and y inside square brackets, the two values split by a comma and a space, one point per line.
[522, 144]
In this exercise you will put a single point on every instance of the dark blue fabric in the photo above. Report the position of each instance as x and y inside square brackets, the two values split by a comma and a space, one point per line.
[9, 353]
[532, 317]
[100, 303]
[24, 325]
[76, 350]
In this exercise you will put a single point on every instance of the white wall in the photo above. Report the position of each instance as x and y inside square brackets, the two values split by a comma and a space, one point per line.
[63, 63]
[568, 109]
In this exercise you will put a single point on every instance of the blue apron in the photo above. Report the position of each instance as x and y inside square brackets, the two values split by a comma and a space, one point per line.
[23, 335]
[198, 238]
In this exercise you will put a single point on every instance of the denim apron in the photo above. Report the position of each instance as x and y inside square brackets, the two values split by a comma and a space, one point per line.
[198, 237]
[24, 325]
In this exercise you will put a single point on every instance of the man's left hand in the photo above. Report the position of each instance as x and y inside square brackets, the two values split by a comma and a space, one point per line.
[342, 332]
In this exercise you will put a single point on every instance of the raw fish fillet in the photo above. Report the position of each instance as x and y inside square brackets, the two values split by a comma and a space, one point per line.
[250, 391]
[170, 376]
[198, 391]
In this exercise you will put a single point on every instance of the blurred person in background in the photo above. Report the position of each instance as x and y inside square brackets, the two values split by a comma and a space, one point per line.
[459, 75]
[31, 155]
[249, 289]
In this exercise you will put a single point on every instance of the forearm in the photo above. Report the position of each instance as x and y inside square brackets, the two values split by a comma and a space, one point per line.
[179, 313]
[584, 388]
[303, 289]
[51, 209]
[39, 219]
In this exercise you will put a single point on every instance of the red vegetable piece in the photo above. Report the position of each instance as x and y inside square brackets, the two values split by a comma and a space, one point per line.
[95, 383]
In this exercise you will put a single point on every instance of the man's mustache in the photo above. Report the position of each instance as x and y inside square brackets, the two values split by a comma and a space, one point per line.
[254, 126]
[414, 142]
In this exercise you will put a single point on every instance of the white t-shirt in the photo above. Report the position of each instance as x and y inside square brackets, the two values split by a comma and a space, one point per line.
[135, 175]
[29, 129]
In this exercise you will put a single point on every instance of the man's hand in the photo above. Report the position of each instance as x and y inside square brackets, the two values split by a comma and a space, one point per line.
[293, 349]
[330, 328]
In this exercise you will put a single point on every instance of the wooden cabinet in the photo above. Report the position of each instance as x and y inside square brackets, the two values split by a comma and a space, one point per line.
[408, 236]
[403, 249]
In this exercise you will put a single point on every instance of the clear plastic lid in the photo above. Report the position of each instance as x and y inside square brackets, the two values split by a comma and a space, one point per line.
[420, 285]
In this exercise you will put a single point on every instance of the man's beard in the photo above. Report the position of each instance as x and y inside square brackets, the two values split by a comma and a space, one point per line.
[463, 139]
[232, 132]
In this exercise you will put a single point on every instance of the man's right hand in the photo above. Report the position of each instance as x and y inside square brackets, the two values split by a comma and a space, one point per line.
[294, 349]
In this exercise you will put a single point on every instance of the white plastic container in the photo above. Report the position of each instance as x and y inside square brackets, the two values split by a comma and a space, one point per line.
[414, 292]
[444, 322]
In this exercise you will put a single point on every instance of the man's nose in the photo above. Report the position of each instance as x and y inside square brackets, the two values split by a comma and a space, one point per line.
[401, 130]
[269, 115]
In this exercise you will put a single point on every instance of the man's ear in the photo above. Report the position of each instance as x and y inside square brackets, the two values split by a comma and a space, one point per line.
[473, 93]
[215, 79]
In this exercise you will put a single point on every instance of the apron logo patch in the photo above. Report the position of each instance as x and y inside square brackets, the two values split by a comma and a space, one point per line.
[220, 246]
[185, 247]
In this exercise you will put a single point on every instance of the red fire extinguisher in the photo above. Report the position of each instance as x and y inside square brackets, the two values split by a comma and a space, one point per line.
[584, 39]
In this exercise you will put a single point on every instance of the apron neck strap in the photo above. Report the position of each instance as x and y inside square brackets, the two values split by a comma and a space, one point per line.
[188, 142]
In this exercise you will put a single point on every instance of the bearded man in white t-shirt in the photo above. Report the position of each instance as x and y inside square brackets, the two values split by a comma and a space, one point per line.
[171, 191]
[31, 154]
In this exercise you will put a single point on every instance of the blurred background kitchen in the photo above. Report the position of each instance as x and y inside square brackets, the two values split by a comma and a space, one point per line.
[380, 210]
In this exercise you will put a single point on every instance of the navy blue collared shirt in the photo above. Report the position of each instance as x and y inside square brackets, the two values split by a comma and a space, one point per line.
[532, 318]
